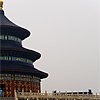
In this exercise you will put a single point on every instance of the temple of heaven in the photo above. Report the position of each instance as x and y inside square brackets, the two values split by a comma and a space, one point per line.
[17, 71]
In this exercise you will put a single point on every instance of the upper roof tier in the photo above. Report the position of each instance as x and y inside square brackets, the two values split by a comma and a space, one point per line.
[9, 28]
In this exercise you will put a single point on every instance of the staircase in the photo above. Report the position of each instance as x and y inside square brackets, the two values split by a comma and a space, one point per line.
[6, 98]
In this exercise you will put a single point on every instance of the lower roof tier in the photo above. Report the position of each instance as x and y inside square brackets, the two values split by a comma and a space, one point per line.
[23, 53]
[21, 68]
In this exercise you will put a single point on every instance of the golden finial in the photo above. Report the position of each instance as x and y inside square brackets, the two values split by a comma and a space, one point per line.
[1, 5]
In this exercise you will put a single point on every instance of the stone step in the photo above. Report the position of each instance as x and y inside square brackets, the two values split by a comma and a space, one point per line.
[6, 98]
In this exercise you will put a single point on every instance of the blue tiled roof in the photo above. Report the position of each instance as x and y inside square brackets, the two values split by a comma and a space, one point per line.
[15, 49]
[8, 27]
[20, 67]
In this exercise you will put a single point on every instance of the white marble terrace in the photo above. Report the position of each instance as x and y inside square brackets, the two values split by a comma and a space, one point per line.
[54, 96]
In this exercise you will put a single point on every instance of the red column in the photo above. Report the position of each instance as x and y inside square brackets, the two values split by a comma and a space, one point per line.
[12, 88]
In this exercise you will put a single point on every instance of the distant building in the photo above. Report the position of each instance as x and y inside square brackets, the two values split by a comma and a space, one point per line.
[17, 71]
[85, 93]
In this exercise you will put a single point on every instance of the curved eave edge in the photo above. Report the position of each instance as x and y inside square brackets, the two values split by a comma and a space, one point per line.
[22, 50]
[42, 74]
[20, 28]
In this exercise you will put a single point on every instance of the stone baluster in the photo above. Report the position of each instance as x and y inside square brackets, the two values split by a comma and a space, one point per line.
[30, 93]
[83, 96]
[78, 94]
[52, 93]
[22, 92]
[45, 93]
[66, 95]
[96, 95]
[59, 93]
[72, 94]
[87, 94]
[38, 92]
[38, 95]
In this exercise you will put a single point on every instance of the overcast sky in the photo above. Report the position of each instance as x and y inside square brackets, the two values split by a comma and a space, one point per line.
[66, 33]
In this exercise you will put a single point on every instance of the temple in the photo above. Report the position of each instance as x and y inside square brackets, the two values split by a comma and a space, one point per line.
[17, 71]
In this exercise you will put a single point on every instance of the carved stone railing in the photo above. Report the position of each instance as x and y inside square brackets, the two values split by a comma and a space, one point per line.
[31, 95]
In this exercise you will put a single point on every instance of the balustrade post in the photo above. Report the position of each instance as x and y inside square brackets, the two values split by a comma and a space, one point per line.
[78, 94]
[52, 93]
[30, 93]
[87, 94]
[83, 96]
[66, 95]
[96, 95]
[45, 93]
[72, 94]
[22, 92]
[59, 93]
[38, 92]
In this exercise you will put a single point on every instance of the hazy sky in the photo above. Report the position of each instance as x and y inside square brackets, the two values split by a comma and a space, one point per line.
[66, 33]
